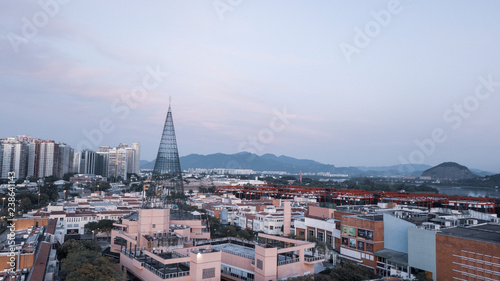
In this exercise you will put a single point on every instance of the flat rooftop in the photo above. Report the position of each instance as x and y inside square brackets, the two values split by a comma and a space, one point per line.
[133, 217]
[393, 256]
[489, 233]
[371, 217]
[183, 215]
[236, 249]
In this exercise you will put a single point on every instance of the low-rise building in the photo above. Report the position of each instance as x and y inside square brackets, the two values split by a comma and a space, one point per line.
[153, 247]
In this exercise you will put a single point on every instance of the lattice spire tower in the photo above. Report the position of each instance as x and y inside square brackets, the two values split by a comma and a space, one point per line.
[167, 173]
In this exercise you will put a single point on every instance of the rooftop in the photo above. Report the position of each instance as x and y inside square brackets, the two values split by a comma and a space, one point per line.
[183, 215]
[133, 217]
[377, 217]
[489, 233]
[392, 256]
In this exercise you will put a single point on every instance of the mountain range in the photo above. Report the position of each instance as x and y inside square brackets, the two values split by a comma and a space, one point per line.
[271, 162]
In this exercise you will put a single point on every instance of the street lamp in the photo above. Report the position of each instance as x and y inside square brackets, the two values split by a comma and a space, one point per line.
[65, 195]
[39, 199]
[3, 202]
[92, 235]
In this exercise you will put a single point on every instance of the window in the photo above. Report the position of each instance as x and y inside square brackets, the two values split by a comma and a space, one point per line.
[321, 236]
[361, 245]
[329, 239]
[352, 243]
[311, 234]
[208, 273]
[271, 227]
[260, 265]
[301, 234]
[345, 241]
[154, 225]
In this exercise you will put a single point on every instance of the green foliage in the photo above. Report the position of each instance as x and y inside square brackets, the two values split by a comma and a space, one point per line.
[91, 226]
[379, 184]
[303, 278]
[422, 276]
[26, 204]
[51, 179]
[351, 272]
[75, 246]
[82, 261]
[100, 226]
[67, 176]
[86, 265]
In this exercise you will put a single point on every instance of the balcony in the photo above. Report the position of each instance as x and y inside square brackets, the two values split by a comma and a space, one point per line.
[313, 258]
[164, 271]
[288, 261]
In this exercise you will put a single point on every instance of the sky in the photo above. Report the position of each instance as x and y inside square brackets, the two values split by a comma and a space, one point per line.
[348, 83]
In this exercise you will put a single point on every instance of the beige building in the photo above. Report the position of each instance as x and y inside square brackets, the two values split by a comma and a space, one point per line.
[157, 244]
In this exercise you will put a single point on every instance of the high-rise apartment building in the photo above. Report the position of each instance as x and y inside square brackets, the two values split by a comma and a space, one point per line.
[14, 158]
[102, 163]
[46, 158]
[30, 157]
[117, 163]
[65, 161]
[137, 148]
[85, 162]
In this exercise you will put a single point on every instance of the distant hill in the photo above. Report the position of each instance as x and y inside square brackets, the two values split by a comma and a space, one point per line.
[487, 181]
[449, 171]
[246, 160]
[394, 170]
[481, 172]
[271, 162]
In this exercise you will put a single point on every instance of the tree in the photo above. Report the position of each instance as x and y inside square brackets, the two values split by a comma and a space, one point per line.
[26, 204]
[351, 272]
[75, 245]
[67, 176]
[82, 261]
[245, 234]
[105, 226]
[89, 265]
[91, 226]
[422, 276]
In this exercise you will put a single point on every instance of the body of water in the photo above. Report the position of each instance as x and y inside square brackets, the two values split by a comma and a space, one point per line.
[468, 191]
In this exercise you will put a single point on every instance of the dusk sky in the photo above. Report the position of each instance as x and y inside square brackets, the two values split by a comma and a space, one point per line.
[349, 83]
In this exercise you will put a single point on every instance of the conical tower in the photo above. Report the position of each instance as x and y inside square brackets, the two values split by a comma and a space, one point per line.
[167, 173]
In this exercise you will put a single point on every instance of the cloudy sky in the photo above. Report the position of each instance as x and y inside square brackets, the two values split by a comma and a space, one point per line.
[349, 83]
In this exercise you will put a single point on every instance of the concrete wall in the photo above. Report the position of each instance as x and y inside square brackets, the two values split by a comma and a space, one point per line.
[319, 212]
[396, 233]
[159, 217]
[267, 258]
[422, 249]
[205, 261]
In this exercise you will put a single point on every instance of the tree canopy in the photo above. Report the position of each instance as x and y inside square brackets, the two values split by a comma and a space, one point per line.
[82, 261]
